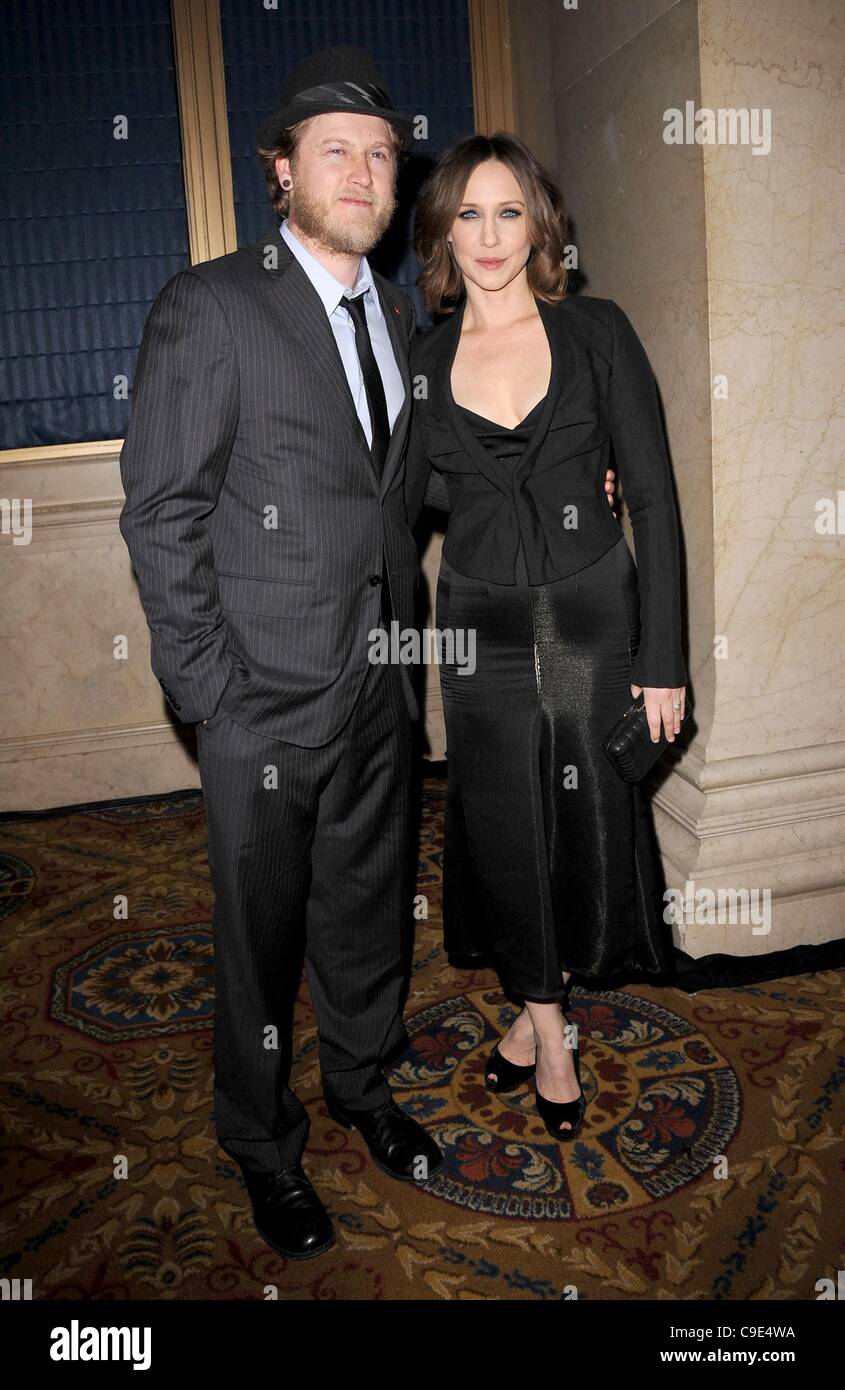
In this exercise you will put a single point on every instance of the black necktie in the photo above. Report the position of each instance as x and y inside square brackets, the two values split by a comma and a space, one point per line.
[373, 384]
[379, 421]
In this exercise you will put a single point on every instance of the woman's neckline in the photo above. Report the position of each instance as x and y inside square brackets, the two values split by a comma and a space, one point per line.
[507, 429]
[497, 424]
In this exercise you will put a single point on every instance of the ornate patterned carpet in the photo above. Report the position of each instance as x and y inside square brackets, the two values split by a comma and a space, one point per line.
[710, 1167]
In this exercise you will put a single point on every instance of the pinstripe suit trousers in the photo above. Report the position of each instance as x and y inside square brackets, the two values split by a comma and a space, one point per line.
[307, 849]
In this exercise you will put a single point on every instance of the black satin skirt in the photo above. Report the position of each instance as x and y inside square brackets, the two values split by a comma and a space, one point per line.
[551, 861]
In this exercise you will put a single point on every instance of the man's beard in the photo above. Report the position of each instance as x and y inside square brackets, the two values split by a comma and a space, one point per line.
[312, 216]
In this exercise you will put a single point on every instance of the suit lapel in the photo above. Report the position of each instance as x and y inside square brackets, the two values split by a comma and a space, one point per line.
[447, 408]
[562, 382]
[401, 353]
[306, 318]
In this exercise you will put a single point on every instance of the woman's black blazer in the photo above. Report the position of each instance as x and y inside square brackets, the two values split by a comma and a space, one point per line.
[602, 395]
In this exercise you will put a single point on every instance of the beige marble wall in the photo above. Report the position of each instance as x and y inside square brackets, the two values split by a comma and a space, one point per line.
[728, 264]
[776, 228]
[82, 718]
[432, 713]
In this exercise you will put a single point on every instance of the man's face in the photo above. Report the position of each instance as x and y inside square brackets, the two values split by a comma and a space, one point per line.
[343, 174]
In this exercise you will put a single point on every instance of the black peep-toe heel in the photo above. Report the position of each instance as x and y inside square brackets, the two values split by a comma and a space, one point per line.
[510, 1075]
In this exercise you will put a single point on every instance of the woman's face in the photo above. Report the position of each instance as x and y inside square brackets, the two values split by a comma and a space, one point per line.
[489, 235]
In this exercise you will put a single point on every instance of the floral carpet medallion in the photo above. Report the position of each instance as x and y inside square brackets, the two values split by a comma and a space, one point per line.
[144, 986]
[662, 1105]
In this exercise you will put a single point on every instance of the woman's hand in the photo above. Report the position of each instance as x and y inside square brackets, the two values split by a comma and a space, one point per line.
[608, 485]
[658, 707]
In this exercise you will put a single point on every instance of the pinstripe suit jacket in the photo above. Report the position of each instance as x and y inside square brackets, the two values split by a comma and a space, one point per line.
[253, 514]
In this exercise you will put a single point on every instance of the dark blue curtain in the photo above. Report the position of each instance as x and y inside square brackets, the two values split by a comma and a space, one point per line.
[91, 226]
[423, 53]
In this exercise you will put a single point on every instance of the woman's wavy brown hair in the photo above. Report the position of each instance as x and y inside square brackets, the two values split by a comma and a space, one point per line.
[441, 279]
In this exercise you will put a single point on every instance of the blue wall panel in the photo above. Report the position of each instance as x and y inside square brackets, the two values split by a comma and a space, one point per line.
[90, 226]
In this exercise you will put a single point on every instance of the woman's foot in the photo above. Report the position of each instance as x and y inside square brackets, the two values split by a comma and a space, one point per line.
[555, 1077]
[518, 1044]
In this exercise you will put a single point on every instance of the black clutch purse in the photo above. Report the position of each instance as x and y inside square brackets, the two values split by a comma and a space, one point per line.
[629, 744]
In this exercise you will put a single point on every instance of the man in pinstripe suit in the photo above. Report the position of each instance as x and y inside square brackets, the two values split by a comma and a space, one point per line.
[263, 472]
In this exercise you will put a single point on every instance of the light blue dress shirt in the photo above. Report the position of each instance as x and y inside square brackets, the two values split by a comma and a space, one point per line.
[332, 293]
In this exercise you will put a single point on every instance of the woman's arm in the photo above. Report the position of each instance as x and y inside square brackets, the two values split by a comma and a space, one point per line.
[639, 447]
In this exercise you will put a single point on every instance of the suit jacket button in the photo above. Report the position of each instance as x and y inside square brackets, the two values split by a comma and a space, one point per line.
[375, 579]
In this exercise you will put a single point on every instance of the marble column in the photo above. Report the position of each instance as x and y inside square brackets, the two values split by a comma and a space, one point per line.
[725, 250]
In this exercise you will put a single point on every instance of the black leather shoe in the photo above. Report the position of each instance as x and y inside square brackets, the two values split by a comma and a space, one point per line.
[395, 1141]
[288, 1214]
[475, 960]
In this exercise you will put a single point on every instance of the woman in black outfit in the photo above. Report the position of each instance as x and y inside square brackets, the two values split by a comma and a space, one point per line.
[549, 855]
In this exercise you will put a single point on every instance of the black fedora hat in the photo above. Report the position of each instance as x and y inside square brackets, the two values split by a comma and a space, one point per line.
[335, 79]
